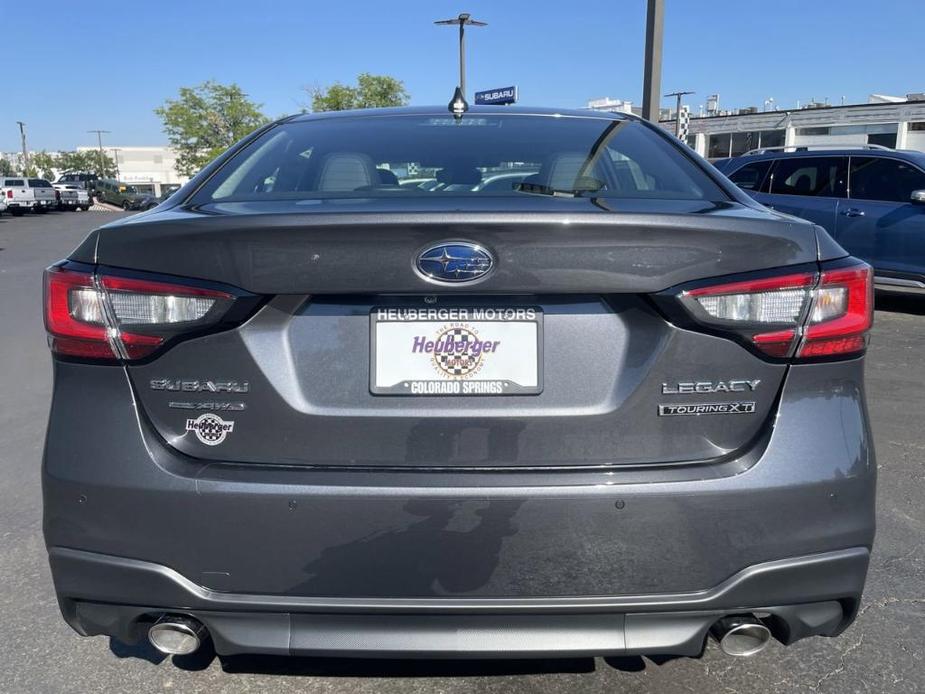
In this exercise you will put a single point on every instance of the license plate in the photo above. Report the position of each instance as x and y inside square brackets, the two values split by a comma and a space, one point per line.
[456, 351]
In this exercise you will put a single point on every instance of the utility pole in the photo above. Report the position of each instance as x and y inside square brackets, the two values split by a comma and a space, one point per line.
[652, 61]
[25, 151]
[99, 139]
[115, 159]
[462, 20]
[677, 113]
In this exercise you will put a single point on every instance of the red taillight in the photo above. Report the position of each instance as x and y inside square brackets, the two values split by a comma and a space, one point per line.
[9, 194]
[843, 312]
[804, 314]
[106, 317]
[67, 335]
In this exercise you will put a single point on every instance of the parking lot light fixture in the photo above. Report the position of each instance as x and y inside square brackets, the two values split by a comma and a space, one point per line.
[462, 20]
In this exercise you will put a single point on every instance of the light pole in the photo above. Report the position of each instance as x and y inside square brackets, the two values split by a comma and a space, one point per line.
[652, 60]
[677, 113]
[99, 139]
[462, 20]
[25, 151]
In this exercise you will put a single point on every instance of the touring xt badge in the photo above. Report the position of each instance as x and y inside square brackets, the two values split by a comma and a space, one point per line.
[706, 408]
[733, 386]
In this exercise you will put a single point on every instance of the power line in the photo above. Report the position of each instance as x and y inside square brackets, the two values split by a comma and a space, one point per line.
[25, 150]
[99, 138]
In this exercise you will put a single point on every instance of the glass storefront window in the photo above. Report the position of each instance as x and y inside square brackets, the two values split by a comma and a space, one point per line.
[718, 146]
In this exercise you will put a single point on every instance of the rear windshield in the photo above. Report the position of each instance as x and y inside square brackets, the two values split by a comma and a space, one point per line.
[420, 155]
[39, 183]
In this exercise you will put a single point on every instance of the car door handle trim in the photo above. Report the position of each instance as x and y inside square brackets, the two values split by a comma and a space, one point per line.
[852, 212]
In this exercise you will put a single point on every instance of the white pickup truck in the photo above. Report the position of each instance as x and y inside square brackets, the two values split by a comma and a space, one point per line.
[22, 194]
[72, 196]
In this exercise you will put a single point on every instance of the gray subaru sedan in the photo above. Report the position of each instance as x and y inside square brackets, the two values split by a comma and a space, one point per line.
[606, 405]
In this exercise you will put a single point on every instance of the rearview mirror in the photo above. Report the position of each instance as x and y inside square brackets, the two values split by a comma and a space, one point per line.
[918, 196]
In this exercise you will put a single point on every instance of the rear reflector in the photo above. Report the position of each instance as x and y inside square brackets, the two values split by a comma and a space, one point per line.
[805, 314]
[105, 317]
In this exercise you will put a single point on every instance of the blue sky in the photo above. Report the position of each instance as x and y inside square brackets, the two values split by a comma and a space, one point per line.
[108, 64]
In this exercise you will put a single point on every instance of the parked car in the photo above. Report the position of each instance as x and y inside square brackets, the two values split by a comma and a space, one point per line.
[73, 196]
[66, 199]
[422, 183]
[600, 414]
[504, 181]
[24, 194]
[82, 178]
[167, 191]
[123, 195]
[145, 201]
[871, 201]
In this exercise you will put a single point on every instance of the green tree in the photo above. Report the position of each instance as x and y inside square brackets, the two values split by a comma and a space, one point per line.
[6, 168]
[371, 91]
[205, 120]
[43, 163]
[88, 160]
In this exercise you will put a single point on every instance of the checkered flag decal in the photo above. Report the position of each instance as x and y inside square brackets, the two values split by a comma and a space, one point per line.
[685, 119]
[462, 361]
[211, 430]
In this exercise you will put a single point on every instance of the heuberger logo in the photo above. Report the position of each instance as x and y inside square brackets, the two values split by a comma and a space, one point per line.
[456, 350]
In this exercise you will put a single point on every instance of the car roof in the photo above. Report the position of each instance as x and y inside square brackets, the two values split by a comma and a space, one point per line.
[473, 110]
[913, 156]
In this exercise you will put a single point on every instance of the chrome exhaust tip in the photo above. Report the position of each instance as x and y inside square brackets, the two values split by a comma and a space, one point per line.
[741, 635]
[176, 635]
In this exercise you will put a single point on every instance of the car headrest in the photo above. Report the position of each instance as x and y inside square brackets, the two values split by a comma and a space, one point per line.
[803, 184]
[561, 171]
[386, 177]
[347, 171]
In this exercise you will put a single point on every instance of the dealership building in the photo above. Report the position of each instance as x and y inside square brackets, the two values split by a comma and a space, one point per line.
[895, 122]
[149, 169]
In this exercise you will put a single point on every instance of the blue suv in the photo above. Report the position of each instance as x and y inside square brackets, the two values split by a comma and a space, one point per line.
[871, 200]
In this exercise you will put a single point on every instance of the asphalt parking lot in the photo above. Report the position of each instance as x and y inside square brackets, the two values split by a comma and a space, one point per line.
[884, 651]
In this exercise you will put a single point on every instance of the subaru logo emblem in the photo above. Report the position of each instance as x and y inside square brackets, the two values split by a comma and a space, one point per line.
[454, 262]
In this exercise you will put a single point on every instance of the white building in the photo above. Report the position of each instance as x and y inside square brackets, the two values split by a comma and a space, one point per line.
[146, 168]
[897, 122]
[611, 105]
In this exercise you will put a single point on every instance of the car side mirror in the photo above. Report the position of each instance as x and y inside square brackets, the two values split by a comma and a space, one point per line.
[918, 196]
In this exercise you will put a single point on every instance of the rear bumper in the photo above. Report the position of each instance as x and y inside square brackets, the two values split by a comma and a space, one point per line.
[900, 283]
[804, 596]
[437, 563]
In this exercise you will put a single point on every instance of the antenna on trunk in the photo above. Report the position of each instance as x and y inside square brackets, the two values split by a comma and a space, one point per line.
[458, 104]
